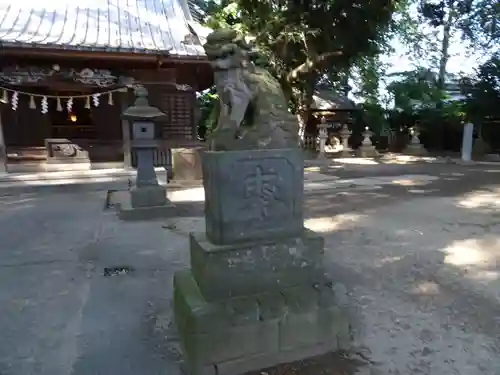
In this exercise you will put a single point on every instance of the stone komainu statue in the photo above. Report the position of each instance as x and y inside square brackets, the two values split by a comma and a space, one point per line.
[253, 109]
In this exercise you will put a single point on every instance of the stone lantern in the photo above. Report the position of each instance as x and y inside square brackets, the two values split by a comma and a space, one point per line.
[415, 148]
[147, 196]
[367, 149]
[323, 136]
[345, 133]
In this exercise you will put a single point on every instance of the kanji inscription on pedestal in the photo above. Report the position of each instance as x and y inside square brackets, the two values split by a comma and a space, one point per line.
[260, 191]
[253, 194]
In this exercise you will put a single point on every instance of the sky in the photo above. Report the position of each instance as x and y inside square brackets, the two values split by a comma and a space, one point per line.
[460, 62]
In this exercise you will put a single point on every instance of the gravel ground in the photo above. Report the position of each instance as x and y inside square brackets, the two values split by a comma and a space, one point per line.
[420, 260]
[422, 266]
[419, 257]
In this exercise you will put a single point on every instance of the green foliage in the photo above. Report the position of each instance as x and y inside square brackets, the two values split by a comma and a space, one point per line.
[208, 112]
[301, 41]
[481, 23]
[415, 89]
[223, 15]
[478, 21]
[419, 100]
[304, 43]
[436, 24]
[371, 72]
[374, 116]
[295, 32]
[483, 91]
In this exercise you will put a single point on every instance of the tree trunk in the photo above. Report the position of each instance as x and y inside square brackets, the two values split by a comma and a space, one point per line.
[445, 45]
[443, 62]
[302, 127]
[305, 102]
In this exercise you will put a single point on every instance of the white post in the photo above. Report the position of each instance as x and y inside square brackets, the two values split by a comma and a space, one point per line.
[467, 141]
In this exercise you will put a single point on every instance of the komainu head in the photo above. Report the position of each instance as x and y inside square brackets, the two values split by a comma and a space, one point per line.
[226, 49]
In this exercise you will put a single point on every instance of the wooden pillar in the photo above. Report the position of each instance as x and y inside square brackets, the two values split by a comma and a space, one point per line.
[3, 148]
[127, 152]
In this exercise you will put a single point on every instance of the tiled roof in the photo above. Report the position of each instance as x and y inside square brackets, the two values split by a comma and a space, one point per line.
[142, 26]
[329, 100]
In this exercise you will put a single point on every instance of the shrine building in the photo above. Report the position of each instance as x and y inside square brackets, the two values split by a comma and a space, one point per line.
[67, 69]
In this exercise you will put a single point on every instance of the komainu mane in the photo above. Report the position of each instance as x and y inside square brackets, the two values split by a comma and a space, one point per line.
[253, 109]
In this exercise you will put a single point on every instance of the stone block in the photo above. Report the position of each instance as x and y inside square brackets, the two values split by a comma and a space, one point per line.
[186, 164]
[62, 150]
[264, 360]
[253, 195]
[254, 332]
[148, 196]
[415, 150]
[480, 148]
[127, 213]
[122, 201]
[225, 271]
[313, 317]
[367, 152]
[218, 332]
[196, 315]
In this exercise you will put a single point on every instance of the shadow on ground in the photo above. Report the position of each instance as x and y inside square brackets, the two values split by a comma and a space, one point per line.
[420, 262]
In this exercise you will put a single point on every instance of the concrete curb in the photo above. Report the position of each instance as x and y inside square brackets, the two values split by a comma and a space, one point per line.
[118, 179]
[78, 185]
[55, 188]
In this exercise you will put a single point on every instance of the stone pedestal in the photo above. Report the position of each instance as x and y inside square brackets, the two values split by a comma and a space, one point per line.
[62, 150]
[186, 164]
[148, 196]
[256, 294]
[147, 199]
[415, 148]
[480, 148]
[367, 149]
[345, 133]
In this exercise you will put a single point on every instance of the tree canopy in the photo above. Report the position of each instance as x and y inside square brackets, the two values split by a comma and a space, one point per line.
[483, 90]
[334, 42]
[302, 41]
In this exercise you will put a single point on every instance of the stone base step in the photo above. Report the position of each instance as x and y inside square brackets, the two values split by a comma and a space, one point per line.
[243, 334]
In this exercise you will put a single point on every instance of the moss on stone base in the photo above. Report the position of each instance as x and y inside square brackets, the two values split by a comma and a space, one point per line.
[256, 331]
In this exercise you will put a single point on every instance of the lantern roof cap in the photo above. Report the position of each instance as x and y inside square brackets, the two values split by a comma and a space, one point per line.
[141, 110]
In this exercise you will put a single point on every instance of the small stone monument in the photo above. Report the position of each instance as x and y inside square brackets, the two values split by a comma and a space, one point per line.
[323, 136]
[345, 133]
[480, 147]
[186, 165]
[367, 149]
[256, 294]
[147, 199]
[415, 148]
